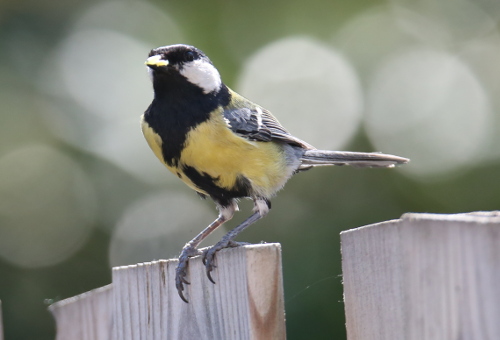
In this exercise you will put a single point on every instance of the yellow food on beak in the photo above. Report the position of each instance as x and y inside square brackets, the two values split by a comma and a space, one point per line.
[156, 61]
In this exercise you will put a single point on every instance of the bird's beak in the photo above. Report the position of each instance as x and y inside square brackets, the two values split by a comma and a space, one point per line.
[156, 61]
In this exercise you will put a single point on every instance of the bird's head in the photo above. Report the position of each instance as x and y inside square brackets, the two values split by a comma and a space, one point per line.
[186, 61]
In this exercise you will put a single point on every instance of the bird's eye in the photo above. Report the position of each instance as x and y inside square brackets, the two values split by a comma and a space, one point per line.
[190, 56]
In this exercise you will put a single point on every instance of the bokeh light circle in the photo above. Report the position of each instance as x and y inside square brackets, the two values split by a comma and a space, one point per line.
[370, 36]
[158, 225]
[98, 77]
[483, 55]
[427, 105]
[443, 23]
[310, 88]
[46, 206]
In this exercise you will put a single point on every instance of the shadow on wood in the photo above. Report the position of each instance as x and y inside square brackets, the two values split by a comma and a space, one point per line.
[424, 276]
[142, 303]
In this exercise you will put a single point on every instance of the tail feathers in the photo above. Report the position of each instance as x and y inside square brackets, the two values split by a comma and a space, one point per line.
[356, 159]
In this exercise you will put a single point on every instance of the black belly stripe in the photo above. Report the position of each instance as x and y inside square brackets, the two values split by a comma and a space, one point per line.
[208, 184]
[172, 118]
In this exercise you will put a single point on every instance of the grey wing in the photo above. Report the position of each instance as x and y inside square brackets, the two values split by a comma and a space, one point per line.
[259, 124]
[247, 123]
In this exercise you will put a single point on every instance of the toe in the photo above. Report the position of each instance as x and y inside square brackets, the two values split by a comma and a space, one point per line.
[181, 270]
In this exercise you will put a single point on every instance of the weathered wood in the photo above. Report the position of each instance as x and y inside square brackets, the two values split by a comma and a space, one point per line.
[425, 276]
[245, 303]
[142, 303]
[84, 317]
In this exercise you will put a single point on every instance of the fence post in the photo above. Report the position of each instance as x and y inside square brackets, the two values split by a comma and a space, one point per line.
[84, 317]
[425, 276]
[142, 303]
[245, 303]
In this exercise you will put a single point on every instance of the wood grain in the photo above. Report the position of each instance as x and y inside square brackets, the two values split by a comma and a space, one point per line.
[84, 317]
[425, 276]
[245, 303]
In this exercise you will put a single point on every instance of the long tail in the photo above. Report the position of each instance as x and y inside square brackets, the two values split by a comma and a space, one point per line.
[357, 159]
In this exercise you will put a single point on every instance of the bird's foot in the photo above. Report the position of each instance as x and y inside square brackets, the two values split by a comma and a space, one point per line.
[181, 270]
[209, 255]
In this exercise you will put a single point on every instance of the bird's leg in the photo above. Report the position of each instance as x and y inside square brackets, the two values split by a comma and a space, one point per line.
[261, 208]
[190, 249]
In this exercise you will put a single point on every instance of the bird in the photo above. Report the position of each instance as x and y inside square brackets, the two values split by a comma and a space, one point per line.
[224, 146]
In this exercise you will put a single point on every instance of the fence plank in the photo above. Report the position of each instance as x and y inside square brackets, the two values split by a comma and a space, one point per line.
[84, 317]
[424, 276]
[245, 303]
[142, 303]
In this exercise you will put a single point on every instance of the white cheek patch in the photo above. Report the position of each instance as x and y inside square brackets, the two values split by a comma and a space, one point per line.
[202, 74]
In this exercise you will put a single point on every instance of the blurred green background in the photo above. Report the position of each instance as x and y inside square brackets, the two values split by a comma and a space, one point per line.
[80, 191]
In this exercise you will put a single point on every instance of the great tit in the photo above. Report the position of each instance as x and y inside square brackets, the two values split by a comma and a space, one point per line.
[224, 146]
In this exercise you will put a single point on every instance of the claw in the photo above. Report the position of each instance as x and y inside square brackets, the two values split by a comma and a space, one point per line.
[182, 296]
[180, 289]
[209, 275]
[180, 280]
[209, 256]
[181, 270]
[208, 259]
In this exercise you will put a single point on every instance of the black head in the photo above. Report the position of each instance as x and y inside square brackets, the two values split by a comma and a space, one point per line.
[189, 62]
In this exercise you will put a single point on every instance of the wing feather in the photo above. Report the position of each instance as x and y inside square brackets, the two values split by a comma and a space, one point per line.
[258, 124]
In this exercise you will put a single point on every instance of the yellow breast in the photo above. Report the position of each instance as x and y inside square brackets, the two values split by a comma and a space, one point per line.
[153, 139]
[156, 143]
[212, 148]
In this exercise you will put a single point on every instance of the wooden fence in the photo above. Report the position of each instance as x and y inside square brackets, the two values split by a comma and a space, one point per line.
[142, 303]
[422, 277]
